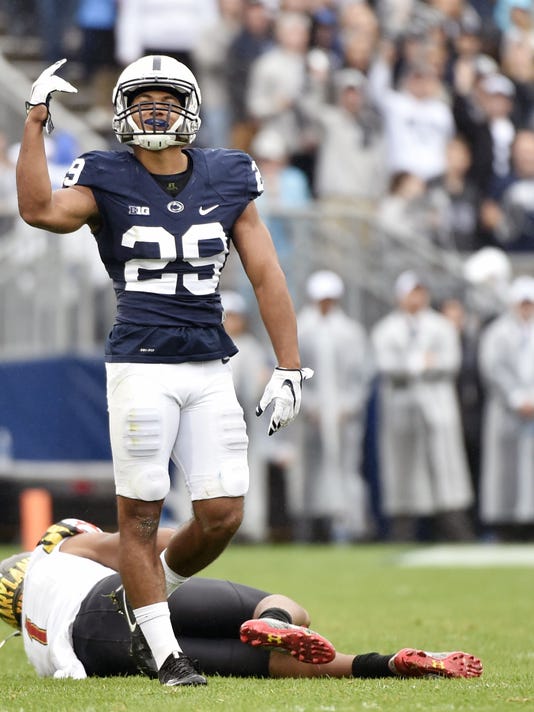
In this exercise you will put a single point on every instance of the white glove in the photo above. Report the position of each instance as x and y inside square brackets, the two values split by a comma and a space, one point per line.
[42, 88]
[285, 389]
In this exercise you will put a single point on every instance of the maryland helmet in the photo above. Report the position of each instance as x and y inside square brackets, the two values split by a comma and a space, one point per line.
[156, 133]
[12, 573]
[63, 530]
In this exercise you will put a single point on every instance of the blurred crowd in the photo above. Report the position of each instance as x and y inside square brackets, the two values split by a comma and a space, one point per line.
[419, 113]
[420, 427]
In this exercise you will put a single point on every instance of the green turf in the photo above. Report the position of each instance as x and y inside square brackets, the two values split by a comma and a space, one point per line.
[362, 601]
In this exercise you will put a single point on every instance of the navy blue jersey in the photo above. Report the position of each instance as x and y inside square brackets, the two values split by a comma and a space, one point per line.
[165, 254]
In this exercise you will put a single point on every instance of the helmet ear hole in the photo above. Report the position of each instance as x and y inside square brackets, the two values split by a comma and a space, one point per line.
[159, 73]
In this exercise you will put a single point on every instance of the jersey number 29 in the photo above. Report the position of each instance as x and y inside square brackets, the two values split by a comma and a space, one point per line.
[167, 282]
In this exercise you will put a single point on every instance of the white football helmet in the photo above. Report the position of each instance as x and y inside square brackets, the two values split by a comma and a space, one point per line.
[155, 134]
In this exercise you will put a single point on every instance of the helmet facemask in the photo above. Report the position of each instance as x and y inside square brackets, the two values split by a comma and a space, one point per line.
[158, 125]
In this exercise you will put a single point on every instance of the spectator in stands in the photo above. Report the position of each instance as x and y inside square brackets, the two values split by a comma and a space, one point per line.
[417, 117]
[210, 56]
[54, 20]
[466, 47]
[394, 16]
[421, 45]
[517, 58]
[465, 73]
[334, 504]
[487, 273]
[455, 198]
[359, 33]
[276, 82]
[508, 213]
[351, 151]
[254, 38]
[405, 211]
[469, 385]
[19, 18]
[423, 466]
[515, 20]
[484, 117]
[325, 35]
[358, 18]
[357, 55]
[285, 187]
[507, 366]
[96, 21]
[455, 15]
[146, 27]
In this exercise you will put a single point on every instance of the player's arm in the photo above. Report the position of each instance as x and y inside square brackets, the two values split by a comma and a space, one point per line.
[64, 210]
[258, 256]
[256, 250]
[103, 547]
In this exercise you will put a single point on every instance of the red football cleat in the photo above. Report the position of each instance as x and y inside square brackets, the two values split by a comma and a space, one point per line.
[302, 643]
[409, 662]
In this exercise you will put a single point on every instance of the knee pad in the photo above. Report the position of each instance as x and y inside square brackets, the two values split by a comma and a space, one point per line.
[234, 478]
[150, 483]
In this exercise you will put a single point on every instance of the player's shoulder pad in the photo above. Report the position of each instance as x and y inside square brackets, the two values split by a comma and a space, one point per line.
[99, 169]
[231, 172]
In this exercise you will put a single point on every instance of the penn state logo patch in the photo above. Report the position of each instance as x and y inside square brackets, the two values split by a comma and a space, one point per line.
[175, 206]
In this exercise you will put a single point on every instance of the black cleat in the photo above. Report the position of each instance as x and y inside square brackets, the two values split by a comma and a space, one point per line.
[178, 669]
[139, 648]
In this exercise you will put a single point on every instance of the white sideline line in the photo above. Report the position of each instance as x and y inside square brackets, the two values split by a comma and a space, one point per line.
[63, 471]
[469, 556]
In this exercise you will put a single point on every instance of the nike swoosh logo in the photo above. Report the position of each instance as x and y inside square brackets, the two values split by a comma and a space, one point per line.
[289, 384]
[132, 624]
[205, 211]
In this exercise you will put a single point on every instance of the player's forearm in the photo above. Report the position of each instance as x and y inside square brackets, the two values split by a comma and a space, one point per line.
[278, 316]
[34, 188]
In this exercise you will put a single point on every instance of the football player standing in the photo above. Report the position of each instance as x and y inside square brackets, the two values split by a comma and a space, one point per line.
[163, 216]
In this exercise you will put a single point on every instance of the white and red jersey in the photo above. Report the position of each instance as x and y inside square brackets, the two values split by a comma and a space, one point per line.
[54, 587]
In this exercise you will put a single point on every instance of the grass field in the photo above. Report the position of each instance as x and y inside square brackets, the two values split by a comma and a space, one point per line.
[362, 600]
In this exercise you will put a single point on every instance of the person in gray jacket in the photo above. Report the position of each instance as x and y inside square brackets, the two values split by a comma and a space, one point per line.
[506, 359]
[334, 494]
[423, 465]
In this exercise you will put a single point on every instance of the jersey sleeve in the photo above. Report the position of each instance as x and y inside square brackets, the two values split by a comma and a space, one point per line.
[234, 174]
[100, 170]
